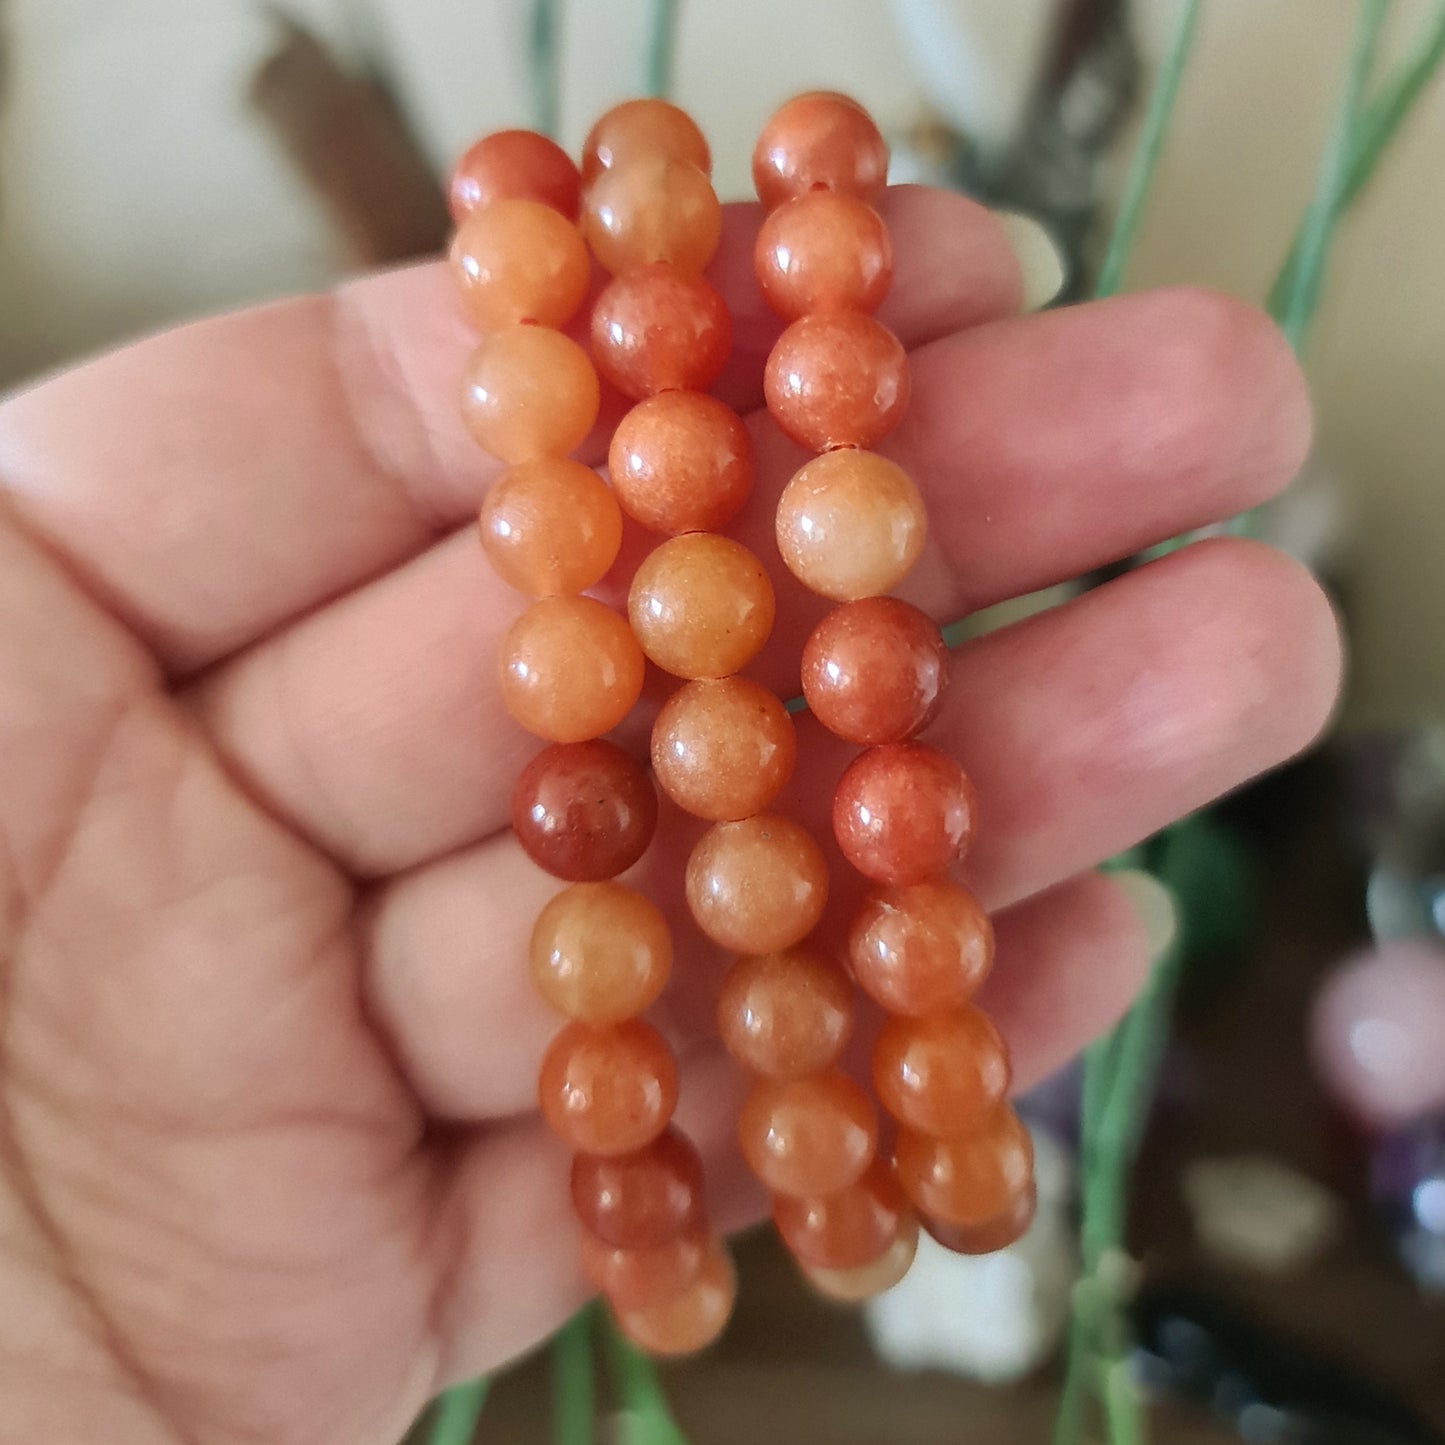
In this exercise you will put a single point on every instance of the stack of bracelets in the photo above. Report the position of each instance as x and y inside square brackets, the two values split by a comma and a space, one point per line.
[849, 526]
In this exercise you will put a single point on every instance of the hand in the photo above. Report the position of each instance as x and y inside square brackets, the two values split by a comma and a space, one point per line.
[270, 1166]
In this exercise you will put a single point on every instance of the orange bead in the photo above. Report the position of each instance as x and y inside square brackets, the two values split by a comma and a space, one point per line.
[940, 1073]
[642, 128]
[837, 380]
[997, 1233]
[681, 462]
[785, 1015]
[853, 1286]
[600, 953]
[529, 392]
[850, 524]
[757, 886]
[701, 605]
[608, 1090]
[808, 1137]
[656, 329]
[551, 526]
[643, 1199]
[652, 208]
[688, 1321]
[848, 1229]
[571, 669]
[823, 252]
[971, 1180]
[920, 948]
[723, 748]
[638, 1278]
[514, 165]
[819, 141]
[519, 261]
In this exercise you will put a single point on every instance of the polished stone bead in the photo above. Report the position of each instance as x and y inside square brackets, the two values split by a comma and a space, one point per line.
[785, 1015]
[942, 1072]
[644, 127]
[808, 1137]
[529, 392]
[652, 208]
[971, 1180]
[853, 1286]
[848, 1229]
[819, 141]
[514, 165]
[823, 251]
[1002, 1230]
[519, 261]
[656, 329]
[608, 1090]
[688, 1321]
[642, 1199]
[638, 1278]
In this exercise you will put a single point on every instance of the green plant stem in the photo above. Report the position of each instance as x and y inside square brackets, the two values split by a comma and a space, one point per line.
[573, 1393]
[647, 1417]
[546, 101]
[457, 1413]
[661, 45]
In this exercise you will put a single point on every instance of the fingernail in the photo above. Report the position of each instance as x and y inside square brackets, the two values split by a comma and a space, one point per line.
[1154, 904]
[1041, 263]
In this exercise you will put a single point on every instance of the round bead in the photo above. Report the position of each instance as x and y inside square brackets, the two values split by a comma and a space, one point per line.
[529, 392]
[940, 1073]
[638, 1278]
[608, 1090]
[514, 165]
[690, 1320]
[571, 669]
[819, 141]
[519, 261]
[701, 605]
[642, 1199]
[643, 128]
[903, 812]
[837, 380]
[600, 953]
[584, 811]
[823, 252]
[850, 524]
[875, 670]
[997, 1233]
[808, 1137]
[681, 462]
[652, 208]
[722, 748]
[919, 948]
[848, 1229]
[853, 1286]
[656, 329]
[550, 526]
[971, 1180]
[785, 1015]
[758, 885]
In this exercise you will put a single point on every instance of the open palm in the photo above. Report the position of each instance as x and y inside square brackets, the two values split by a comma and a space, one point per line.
[270, 1167]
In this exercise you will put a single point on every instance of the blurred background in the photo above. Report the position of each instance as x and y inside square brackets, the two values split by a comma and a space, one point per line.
[1284, 1277]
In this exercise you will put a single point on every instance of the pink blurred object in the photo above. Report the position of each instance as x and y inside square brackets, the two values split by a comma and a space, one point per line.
[1378, 1032]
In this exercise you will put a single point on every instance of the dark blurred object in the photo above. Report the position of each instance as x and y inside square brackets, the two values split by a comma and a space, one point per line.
[1407, 1185]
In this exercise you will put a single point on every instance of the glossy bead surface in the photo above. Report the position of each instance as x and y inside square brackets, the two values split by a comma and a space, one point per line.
[690, 1320]
[608, 1090]
[514, 165]
[643, 128]
[920, 948]
[529, 392]
[823, 251]
[971, 1180]
[652, 208]
[681, 462]
[550, 526]
[875, 670]
[853, 1286]
[637, 1278]
[656, 329]
[903, 812]
[993, 1234]
[850, 524]
[722, 748]
[701, 605]
[808, 1137]
[940, 1073]
[848, 1229]
[819, 141]
[600, 952]
[837, 380]
[642, 1199]
[519, 261]
[570, 668]
[758, 885]
[785, 1015]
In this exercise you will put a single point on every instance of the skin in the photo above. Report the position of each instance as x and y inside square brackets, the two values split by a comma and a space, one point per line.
[270, 1165]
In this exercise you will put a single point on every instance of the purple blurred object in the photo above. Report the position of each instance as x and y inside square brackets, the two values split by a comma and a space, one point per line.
[1407, 1184]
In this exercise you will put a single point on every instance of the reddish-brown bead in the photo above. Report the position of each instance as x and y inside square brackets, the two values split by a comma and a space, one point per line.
[875, 671]
[973, 1180]
[823, 252]
[519, 261]
[819, 141]
[809, 1137]
[920, 948]
[642, 1199]
[785, 1015]
[681, 462]
[690, 1320]
[656, 329]
[853, 1286]
[652, 208]
[642, 128]
[848, 1229]
[529, 392]
[940, 1073]
[608, 1090]
[993, 1234]
[639, 1278]
[514, 165]
[903, 812]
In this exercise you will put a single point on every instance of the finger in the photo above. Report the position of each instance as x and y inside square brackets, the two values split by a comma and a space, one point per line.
[214, 481]
[376, 725]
